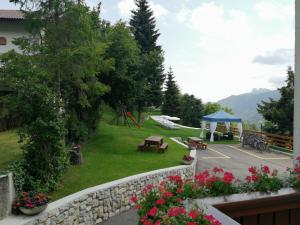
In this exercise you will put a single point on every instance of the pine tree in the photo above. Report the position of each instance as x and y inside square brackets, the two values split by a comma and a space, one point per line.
[280, 114]
[143, 26]
[171, 105]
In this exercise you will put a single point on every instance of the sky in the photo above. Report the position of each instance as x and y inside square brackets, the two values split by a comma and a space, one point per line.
[218, 48]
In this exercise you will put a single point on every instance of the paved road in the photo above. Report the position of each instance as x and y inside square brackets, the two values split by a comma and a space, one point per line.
[232, 158]
[238, 160]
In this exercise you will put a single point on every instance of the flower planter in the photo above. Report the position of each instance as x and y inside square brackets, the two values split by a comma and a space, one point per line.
[185, 162]
[33, 211]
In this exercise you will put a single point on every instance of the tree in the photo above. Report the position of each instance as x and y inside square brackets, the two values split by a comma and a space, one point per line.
[191, 110]
[143, 26]
[280, 113]
[210, 108]
[124, 52]
[171, 105]
[71, 51]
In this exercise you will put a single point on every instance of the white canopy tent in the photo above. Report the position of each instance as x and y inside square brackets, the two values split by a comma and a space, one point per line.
[220, 116]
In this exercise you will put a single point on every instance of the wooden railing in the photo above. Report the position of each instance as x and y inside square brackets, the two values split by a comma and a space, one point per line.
[282, 141]
[282, 208]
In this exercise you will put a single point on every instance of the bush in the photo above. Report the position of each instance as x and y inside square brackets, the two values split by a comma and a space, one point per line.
[44, 160]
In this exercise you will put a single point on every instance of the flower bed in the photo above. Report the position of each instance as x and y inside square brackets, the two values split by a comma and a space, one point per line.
[165, 204]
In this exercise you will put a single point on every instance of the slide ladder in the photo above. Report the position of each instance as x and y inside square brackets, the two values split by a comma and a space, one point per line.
[133, 119]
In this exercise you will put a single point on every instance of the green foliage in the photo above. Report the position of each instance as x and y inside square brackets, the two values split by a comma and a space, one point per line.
[151, 75]
[171, 105]
[210, 108]
[124, 52]
[191, 110]
[281, 113]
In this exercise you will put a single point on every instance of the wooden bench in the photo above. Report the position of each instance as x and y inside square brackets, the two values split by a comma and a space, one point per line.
[141, 146]
[163, 147]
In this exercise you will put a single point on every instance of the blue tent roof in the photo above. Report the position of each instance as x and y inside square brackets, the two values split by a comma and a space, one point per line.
[221, 116]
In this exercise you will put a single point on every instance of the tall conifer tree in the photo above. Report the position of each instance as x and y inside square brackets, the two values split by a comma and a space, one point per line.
[151, 79]
[171, 105]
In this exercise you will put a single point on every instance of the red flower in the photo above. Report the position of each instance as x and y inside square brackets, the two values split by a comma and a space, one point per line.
[133, 198]
[192, 223]
[160, 201]
[252, 170]
[177, 179]
[228, 177]
[265, 169]
[153, 211]
[297, 170]
[217, 170]
[194, 214]
[167, 194]
[298, 177]
[248, 179]
[137, 206]
[254, 177]
[149, 186]
[176, 211]
[146, 222]
[212, 220]
[179, 190]
[157, 222]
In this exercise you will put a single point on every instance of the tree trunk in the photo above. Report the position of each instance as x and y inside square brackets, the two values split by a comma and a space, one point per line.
[297, 84]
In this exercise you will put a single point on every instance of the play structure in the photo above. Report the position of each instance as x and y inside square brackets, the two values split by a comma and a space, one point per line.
[125, 118]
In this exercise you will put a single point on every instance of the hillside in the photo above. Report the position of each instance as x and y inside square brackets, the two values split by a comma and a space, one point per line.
[245, 105]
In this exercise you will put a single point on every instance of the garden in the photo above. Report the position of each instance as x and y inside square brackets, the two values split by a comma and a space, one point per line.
[167, 203]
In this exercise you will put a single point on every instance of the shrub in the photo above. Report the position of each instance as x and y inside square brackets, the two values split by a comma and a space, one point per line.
[262, 179]
[294, 175]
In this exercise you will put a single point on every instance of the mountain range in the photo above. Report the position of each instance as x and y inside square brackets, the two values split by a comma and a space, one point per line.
[245, 105]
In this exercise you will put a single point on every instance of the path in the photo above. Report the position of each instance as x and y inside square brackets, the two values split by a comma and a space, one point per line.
[238, 160]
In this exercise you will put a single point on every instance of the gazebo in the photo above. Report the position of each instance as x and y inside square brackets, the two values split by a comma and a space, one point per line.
[220, 116]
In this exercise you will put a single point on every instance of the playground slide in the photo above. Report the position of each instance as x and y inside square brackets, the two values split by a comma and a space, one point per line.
[133, 119]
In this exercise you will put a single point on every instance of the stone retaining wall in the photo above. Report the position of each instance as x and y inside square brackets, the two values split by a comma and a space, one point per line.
[6, 195]
[97, 204]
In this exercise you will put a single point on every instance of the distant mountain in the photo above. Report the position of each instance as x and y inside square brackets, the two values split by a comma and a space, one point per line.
[245, 105]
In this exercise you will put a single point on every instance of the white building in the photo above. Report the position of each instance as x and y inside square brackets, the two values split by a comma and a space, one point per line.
[11, 26]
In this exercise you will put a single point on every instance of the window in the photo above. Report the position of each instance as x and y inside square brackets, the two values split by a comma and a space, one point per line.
[2, 41]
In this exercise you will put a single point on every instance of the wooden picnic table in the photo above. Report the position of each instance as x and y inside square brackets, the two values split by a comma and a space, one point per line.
[195, 142]
[153, 142]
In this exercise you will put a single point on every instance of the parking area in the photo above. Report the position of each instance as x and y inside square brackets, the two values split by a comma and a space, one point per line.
[237, 159]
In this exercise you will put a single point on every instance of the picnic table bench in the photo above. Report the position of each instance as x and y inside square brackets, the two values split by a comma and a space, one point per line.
[197, 143]
[153, 143]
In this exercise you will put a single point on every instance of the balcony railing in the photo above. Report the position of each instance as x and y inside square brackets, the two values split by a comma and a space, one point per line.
[281, 208]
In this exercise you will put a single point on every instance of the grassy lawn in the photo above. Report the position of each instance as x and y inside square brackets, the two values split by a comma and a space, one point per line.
[9, 148]
[110, 154]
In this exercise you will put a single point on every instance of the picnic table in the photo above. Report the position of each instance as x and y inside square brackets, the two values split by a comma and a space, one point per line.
[153, 142]
[195, 142]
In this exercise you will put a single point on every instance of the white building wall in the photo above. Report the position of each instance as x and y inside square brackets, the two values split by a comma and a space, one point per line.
[11, 30]
[297, 83]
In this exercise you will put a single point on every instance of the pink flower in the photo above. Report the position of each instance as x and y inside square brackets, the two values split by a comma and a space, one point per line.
[265, 169]
[160, 201]
[254, 177]
[153, 211]
[248, 179]
[167, 194]
[228, 177]
[133, 198]
[252, 170]
[176, 211]
[217, 170]
[192, 223]
[194, 214]
[212, 220]
[157, 222]
[146, 222]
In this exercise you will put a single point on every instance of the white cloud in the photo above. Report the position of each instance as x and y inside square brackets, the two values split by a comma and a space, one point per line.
[227, 41]
[182, 15]
[273, 10]
[125, 7]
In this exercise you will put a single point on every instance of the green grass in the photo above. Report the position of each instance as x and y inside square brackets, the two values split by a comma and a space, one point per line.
[9, 148]
[110, 154]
